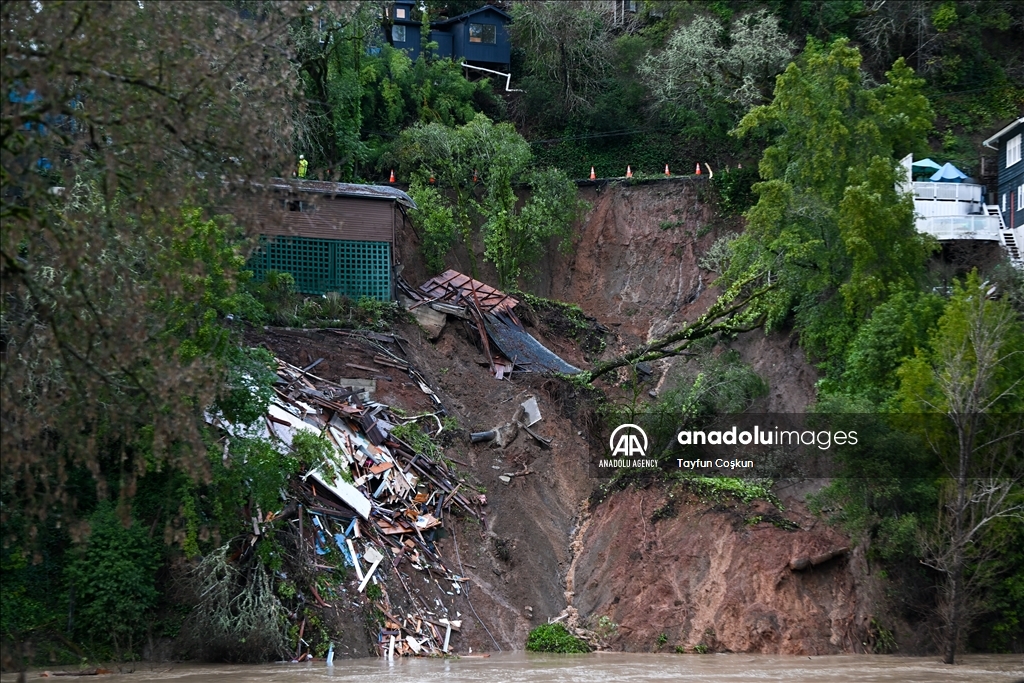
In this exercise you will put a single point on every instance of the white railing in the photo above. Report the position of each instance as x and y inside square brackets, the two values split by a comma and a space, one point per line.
[961, 227]
[960, 192]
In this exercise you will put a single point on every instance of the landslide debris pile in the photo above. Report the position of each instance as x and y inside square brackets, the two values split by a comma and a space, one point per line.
[374, 501]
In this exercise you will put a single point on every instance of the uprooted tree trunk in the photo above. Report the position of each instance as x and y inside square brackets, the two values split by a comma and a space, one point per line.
[730, 314]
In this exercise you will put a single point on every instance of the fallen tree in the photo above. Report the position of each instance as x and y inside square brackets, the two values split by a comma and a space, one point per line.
[735, 311]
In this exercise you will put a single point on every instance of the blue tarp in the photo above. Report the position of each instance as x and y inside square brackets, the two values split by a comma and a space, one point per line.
[925, 164]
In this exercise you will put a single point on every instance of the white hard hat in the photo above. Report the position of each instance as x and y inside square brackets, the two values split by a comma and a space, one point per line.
[302, 156]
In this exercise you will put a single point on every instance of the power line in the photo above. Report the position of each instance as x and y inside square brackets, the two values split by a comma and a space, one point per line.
[613, 133]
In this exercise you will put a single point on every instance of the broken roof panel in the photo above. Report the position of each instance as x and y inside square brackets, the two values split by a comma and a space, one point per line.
[453, 285]
[523, 348]
[343, 190]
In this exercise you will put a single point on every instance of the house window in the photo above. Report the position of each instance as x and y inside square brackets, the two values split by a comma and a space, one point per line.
[398, 34]
[1013, 150]
[296, 205]
[400, 13]
[1004, 204]
[486, 33]
[631, 5]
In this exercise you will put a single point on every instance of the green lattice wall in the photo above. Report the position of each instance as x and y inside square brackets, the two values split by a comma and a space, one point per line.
[354, 269]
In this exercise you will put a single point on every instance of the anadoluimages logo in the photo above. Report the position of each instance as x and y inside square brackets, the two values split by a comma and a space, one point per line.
[625, 441]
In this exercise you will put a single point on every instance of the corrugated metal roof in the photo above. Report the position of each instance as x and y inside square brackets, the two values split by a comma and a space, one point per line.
[344, 190]
[523, 348]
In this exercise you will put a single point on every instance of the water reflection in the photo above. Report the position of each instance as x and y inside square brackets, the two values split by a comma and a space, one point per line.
[520, 667]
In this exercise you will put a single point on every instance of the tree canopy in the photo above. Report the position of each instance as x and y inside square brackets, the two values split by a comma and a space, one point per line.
[468, 174]
[830, 227]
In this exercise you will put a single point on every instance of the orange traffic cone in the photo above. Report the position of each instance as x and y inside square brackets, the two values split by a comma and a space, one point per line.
[431, 178]
[392, 176]
[666, 170]
[629, 171]
[474, 175]
[698, 169]
[593, 176]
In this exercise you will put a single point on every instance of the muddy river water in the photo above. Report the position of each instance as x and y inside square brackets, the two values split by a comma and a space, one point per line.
[520, 667]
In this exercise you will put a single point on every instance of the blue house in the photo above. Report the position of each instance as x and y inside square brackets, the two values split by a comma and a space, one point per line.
[405, 32]
[1010, 195]
[480, 37]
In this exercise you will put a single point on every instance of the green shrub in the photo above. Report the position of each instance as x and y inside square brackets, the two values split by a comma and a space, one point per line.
[735, 189]
[114, 581]
[554, 638]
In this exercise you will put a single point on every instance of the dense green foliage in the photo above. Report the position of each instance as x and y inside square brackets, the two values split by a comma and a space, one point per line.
[113, 581]
[829, 226]
[938, 477]
[360, 93]
[467, 175]
[554, 638]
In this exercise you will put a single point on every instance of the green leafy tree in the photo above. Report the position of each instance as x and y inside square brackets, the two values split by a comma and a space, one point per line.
[114, 580]
[830, 228]
[567, 54]
[896, 329]
[110, 288]
[444, 163]
[434, 218]
[699, 70]
[515, 241]
[358, 99]
[972, 380]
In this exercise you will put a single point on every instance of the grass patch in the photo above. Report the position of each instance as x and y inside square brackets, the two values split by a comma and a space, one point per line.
[567, 320]
[715, 489]
[555, 638]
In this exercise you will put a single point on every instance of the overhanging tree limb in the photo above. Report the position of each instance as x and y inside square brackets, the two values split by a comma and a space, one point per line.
[728, 314]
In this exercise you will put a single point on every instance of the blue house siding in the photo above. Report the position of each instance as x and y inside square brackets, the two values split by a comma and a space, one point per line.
[1011, 180]
[444, 44]
[405, 24]
[499, 52]
[411, 44]
[453, 35]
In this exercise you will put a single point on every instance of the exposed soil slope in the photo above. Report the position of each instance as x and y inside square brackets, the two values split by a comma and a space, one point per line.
[705, 574]
[717, 576]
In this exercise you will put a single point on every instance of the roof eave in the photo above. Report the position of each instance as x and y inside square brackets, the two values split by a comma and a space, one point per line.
[1003, 132]
[466, 15]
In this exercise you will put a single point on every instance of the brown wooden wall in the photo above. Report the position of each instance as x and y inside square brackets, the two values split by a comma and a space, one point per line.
[334, 218]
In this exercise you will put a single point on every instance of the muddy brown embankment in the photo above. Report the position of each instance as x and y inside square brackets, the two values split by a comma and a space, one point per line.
[706, 574]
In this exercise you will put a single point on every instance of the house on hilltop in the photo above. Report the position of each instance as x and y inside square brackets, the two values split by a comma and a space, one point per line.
[331, 237]
[1010, 183]
[479, 37]
[952, 208]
